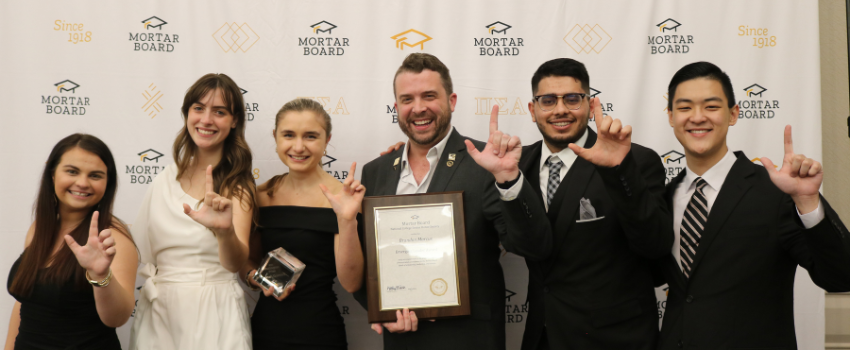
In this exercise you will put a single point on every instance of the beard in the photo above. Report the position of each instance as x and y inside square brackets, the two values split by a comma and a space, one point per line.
[441, 125]
[562, 141]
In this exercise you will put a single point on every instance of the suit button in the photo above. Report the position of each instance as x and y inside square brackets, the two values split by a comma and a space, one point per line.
[545, 289]
[623, 178]
[689, 299]
[680, 344]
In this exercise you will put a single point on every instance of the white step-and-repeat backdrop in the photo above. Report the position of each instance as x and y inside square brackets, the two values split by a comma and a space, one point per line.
[119, 70]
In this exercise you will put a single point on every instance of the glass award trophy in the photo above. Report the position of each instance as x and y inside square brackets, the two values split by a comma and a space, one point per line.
[278, 271]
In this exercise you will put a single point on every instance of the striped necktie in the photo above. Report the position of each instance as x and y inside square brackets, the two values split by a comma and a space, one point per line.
[554, 178]
[693, 226]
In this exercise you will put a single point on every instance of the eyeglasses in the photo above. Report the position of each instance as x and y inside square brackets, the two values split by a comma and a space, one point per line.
[549, 102]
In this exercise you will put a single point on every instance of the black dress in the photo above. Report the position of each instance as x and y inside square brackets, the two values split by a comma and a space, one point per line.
[61, 317]
[308, 318]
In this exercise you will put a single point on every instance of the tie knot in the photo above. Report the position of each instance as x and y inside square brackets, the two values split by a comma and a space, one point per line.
[554, 161]
[700, 183]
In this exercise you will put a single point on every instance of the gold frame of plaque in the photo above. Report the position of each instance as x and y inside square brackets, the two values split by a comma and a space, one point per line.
[457, 303]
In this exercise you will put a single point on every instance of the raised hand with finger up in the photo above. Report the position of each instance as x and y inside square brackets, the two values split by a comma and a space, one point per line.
[799, 177]
[613, 140]
[217, 213]
[501, 154]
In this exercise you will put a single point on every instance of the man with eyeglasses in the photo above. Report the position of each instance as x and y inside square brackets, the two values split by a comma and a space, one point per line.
[605, 205]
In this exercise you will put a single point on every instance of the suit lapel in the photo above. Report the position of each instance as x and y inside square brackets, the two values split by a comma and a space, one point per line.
[669, 193]
[562, 212]
[443, 174]
[393, 171]
[529, 164]
[734, 188]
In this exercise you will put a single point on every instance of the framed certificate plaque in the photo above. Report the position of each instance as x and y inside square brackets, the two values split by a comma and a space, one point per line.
[416, 256]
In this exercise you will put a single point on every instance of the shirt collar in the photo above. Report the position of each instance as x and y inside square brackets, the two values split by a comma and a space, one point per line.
[563, 154]
[435, 150]
[714, 176]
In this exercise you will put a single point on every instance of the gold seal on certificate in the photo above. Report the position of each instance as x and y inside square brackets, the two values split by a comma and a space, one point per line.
[416, 255]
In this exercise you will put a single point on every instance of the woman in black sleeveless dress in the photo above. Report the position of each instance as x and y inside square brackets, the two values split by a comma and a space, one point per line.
[73, 283]
[312, 216]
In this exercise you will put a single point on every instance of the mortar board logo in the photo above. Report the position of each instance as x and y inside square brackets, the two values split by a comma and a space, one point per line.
[329, 160]
[509, 294]
[154, 22]
[668, 24]
[410, 38]
[318, 27]
[594, 92]
[66, 85]
[498, 27]
[243, 91]
[150, 154]
[754, 90]
[672, 156]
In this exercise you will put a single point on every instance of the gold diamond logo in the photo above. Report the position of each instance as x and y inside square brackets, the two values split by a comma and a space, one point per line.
[587, 39]
[152, 96]
[232, 37]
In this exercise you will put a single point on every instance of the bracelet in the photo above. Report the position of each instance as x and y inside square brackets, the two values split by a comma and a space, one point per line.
[99, 284]
[248, 281]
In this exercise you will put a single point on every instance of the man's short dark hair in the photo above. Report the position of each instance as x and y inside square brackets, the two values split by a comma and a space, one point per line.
[417, 62]
[700, 70]
[561, 67]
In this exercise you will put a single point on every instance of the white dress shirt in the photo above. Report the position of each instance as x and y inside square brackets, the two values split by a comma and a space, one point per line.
[714, 177]
[407, 182]
[567, 156]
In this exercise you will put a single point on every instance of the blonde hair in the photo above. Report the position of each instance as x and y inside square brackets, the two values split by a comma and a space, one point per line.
[305, 104]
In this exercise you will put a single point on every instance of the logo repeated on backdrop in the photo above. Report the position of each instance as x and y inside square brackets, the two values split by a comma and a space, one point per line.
[141, 171]
[584, 38]
[250, 107]
[752, 108]
[663, 41]
[496, 44]
[153, 39]
[152, 95]
[760, 38]
[507, 105]
[327, 161]
[233, 37]
[337, 107]
[75, 31]
[65, 99]
[514, 312]
[673, 163]
[393, 113]
[323, 46]
[410, 38]
[607, 107]
[666, 100]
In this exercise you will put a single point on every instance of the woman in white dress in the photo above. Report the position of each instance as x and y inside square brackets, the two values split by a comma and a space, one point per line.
[193, 229]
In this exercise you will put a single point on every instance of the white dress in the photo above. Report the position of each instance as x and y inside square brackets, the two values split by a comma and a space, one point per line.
[189, 300]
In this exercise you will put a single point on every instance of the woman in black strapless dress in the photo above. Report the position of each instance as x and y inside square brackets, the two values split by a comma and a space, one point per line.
[73, 283]
[314, 217]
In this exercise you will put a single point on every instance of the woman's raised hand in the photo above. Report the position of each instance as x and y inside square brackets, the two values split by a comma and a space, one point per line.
[96, 256]
[217, 212]
[346, 203]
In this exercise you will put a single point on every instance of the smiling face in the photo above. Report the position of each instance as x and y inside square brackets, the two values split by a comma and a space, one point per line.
[209, 121]
[560, 126]
[301, 140]
[701, 118]
[79, 180]
[424, 108]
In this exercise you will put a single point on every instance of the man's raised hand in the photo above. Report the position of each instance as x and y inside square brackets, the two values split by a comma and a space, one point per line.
[799, 177]
[217, 212]
[501, 154]
[613, 140]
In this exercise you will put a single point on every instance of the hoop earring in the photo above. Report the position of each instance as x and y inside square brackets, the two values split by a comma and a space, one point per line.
[326, 152]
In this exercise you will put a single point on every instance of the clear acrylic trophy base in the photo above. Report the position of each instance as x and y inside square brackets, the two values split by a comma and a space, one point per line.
[278, 271]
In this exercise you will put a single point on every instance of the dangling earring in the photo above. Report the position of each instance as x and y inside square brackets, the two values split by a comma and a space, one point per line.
[326, 152]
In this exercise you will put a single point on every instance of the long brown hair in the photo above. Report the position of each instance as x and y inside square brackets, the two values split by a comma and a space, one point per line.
[64, 264]
[232, 176]
[297, 105]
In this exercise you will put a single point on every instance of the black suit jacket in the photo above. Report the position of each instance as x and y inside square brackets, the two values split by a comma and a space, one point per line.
[741, 290]
[485, 228]
[596, 290]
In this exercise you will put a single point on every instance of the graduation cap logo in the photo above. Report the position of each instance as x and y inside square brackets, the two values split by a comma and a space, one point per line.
[243, 91]
[328, 27]
[410, 38]
[672, 156]
[509, 294]
[668, 24]
[329, 160]
[594, 92]
[150, 154]
[66, 85]
[754, 90]
[498, 27]
[154, 22]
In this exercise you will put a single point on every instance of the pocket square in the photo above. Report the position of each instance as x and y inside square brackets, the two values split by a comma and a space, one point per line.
[586, 211]
[589, 220]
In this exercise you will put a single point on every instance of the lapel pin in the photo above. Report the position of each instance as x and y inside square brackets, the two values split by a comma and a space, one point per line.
[450, 163]
[452, 156]
[395, 163]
